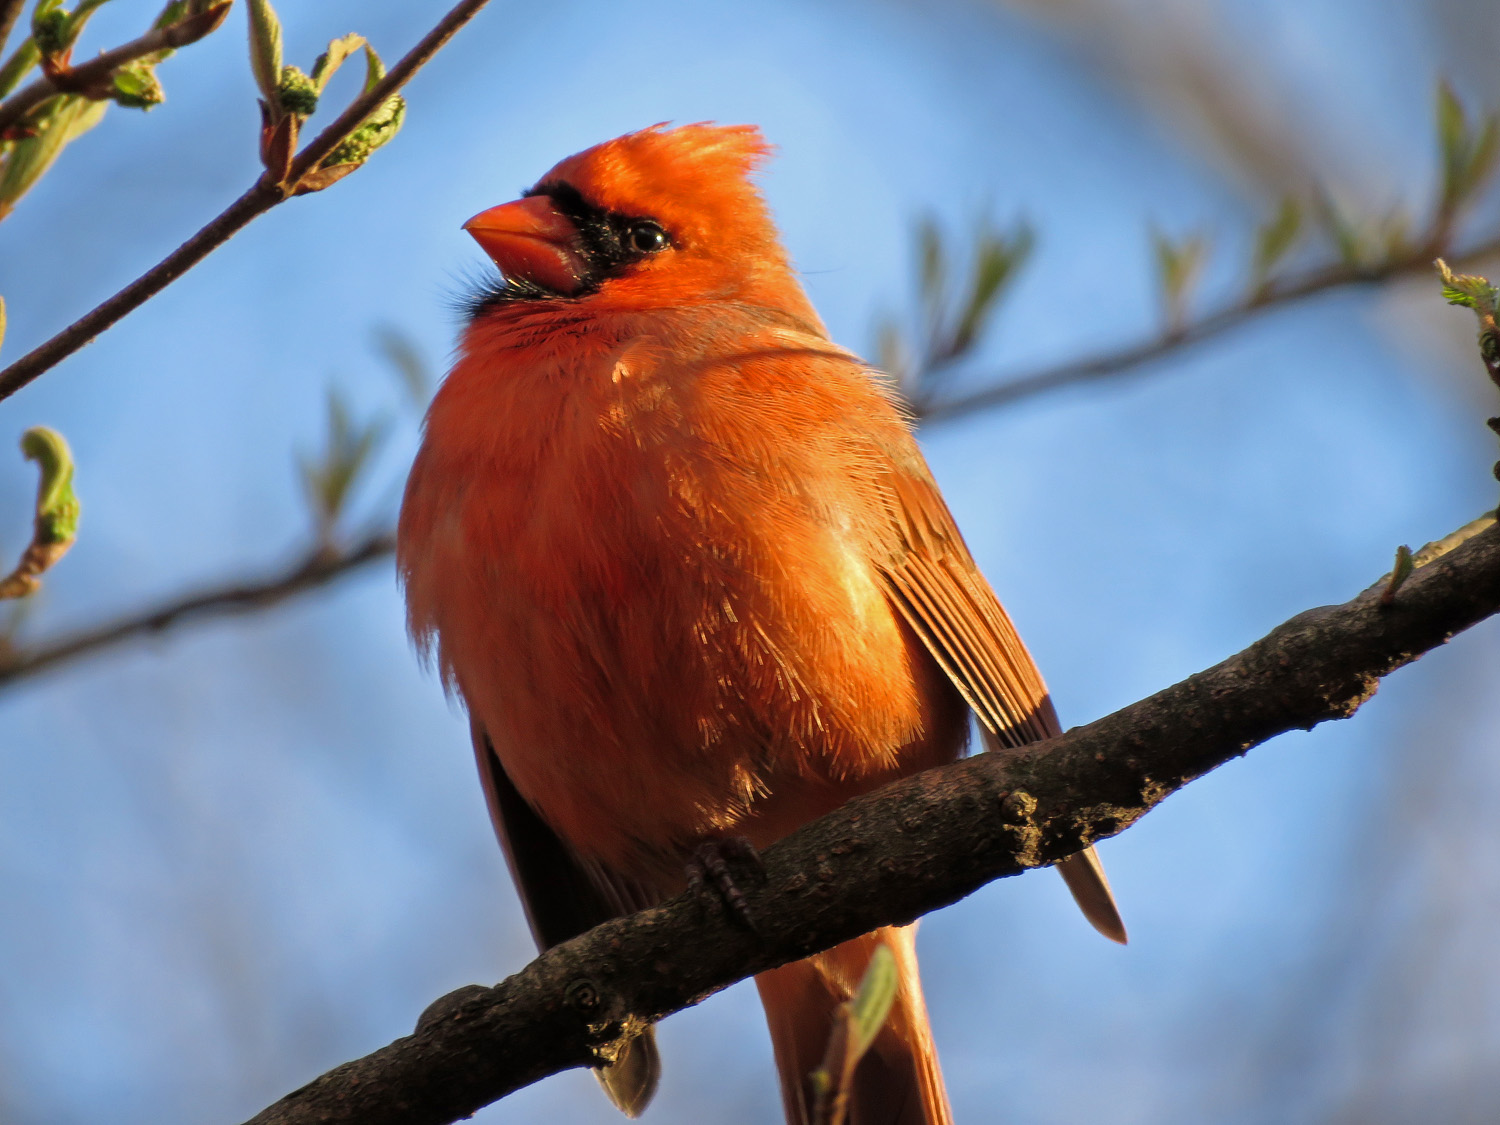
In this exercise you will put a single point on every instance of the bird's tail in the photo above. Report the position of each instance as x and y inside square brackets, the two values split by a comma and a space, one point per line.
[898, 1082]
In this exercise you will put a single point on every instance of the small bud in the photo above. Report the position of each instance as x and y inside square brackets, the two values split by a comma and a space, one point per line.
[296, 92]
[1178, 265]
[1272, 242]
[136, 87]
[57, 510]
[1400, 572]
[49, 27]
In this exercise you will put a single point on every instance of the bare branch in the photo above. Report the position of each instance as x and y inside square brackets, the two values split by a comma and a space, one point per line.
[233, 598]
[908, 849]
[1126, 361]
[265, 194]
[95, 74]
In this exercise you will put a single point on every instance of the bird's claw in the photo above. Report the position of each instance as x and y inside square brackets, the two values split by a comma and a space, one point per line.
[709, 867]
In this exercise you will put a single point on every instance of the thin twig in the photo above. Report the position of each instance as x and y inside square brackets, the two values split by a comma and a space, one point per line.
[232, 598]
[1127, 360]
[96, 72]
[261, 197]
[893, 855]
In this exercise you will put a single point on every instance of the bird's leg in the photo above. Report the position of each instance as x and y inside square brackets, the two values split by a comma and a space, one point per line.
[709, 866]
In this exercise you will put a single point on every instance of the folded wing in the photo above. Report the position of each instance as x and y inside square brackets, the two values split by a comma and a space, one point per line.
[932, 579]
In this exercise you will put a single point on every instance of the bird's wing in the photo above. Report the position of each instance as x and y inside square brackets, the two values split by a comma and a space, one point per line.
[562, 899]
[933, 581]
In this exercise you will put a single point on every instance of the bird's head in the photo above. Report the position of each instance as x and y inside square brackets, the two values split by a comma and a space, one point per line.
[657, 218]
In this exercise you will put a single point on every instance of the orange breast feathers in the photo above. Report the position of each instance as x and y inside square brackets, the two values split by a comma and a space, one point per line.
[644, 549]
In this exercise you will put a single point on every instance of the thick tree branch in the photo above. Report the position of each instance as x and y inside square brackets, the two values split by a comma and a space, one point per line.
[912, 847]
[262, 196]
[1130, 360]
[246, 596]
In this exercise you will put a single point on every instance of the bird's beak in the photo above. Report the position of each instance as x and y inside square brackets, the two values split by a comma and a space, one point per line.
[531, 240]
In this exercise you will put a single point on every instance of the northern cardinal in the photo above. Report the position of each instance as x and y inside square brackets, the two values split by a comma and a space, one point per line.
[681, 557]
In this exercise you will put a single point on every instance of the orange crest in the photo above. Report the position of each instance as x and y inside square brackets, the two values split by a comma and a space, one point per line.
[695, 179]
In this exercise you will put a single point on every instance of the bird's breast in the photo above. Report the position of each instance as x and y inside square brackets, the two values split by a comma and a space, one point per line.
[646, 569]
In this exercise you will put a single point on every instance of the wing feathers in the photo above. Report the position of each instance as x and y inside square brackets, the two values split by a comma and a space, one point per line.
[931, 579]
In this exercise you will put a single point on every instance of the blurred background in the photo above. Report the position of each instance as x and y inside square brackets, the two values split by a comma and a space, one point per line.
[238, 853]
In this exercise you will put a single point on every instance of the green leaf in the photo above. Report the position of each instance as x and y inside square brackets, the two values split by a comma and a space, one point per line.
[21, 60]
[265, 49]
[1481, 163]
[378, 129]
[872, 1003]
[1346, 236]
[374, 69]
[1471, 291]
[59, 120]
[856, 1023]
[1451, 126]
[933, 266]
[997, 260]
[330, 479]
[892, 354]
[2, 321]
[80, 16]
[1272, 242]
[57, 508]
[1178, 264]
[333, 58]
[406, 361]
[1467, 156]
[1453, 142]
[136, 86]
[55, 524]
[172, 13]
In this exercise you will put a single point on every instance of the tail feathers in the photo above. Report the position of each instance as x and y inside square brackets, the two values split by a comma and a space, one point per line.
[898, 1082]
[1085, 877]
[630, 1081]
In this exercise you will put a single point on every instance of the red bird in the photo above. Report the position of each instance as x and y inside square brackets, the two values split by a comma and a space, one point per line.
[681, 557]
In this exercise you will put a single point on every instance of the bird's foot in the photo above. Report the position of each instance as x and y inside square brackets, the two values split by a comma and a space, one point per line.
[709, 867]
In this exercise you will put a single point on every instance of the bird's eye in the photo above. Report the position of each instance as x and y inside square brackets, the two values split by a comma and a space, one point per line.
[646, 238]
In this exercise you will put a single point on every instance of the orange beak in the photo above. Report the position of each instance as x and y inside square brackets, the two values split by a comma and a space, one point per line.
[530, 240]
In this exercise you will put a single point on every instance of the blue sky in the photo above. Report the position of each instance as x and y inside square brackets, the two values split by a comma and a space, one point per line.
[244, 852]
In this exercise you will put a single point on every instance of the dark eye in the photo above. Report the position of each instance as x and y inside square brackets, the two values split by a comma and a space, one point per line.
[646, 237]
